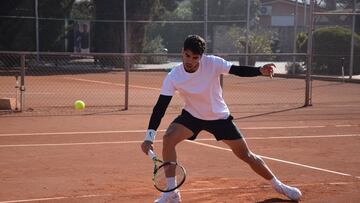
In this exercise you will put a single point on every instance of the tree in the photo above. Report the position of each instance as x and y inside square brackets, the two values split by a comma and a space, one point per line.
[17, 34]
[20, 33]
[52, 24]
[109, 35]
[174, 33]
[259, 42]
[82, 10]
[331, 44]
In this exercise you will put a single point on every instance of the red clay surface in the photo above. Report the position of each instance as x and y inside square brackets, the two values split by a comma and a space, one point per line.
[96, 157]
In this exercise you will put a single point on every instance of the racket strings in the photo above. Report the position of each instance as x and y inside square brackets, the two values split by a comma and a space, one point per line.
[169, 177]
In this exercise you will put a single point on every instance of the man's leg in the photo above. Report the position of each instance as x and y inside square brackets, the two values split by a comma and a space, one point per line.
[241, 150]
[173, 135]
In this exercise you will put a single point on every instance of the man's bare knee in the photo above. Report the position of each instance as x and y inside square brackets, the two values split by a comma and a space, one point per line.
[169, 139]
[175, 134]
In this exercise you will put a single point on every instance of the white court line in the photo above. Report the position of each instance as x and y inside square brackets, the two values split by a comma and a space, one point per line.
[159, 140]
[263, 186]
[71, 144]
[299, 127]
[291, 137]
[29, 92]
[182, 190]
[163, 130]
[203, 144]
[74, 133]
[278, 160]
[112, 83]
[54, 198]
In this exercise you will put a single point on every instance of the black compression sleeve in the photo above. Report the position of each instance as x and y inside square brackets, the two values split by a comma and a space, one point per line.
[245, 71]
[159, 111]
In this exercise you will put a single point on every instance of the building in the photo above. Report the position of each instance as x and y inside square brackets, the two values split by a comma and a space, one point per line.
[279, 17]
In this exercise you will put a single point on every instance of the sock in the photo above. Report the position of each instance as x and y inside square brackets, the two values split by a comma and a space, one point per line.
[275, 182]
[171, 182]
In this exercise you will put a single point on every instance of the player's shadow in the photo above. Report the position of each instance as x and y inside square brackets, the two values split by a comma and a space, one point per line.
[273, 200]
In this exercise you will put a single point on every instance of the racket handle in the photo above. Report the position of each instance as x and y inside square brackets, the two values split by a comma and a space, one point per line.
[151, 154]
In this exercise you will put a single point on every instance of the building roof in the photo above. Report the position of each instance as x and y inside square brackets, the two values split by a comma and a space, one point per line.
[268, 2]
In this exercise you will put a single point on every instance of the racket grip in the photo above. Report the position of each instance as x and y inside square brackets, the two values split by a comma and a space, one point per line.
[151, 154]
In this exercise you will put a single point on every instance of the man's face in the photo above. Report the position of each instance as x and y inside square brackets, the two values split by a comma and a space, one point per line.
[190, 60]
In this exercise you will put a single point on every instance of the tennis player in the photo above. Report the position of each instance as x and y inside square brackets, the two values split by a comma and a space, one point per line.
[197, 79]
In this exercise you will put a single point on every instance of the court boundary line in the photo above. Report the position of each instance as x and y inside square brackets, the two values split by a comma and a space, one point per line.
[140, 141]
[163, 130]
[278, 160]
[55, 198]
[73, 133]
[291, 137]
[191, 190]
[262, 186]
[111, 83]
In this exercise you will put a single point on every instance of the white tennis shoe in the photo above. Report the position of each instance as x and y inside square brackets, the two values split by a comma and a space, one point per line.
[169, 197]
[291, 192]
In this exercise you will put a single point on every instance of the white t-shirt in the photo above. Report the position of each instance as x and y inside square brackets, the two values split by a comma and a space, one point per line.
[201, 90]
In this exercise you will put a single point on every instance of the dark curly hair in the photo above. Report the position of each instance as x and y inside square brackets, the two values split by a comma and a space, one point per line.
[195, 44]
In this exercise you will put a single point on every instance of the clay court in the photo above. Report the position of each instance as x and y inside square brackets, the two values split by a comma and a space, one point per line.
[95, 156]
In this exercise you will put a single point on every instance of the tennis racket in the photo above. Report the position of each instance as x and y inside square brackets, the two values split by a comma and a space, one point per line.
[164, 170]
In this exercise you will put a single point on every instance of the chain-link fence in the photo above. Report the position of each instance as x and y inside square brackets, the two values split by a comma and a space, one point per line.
[336, 38]
[49, 83]
[333, 48]
[114, 56]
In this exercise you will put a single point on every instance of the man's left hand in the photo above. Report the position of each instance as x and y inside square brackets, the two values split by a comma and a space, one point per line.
[268, 69]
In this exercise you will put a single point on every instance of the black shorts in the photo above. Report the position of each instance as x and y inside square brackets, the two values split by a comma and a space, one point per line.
[222, 129]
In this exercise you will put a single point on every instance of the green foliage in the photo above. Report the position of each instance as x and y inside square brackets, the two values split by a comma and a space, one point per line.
[17, 34]
[182, 12]
[330, 45]
[51, 32]
[259, 41]
[55, 9]
[154, 46]
[174, 34]
[332, 40]
[301, 41]
[82, 10]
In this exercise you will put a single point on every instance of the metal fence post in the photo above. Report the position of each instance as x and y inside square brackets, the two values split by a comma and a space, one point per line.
[127, 68]
[309, 57]
[343, 68]
[351, 65]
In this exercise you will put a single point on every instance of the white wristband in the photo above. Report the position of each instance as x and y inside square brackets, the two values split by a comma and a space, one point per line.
[150, 135]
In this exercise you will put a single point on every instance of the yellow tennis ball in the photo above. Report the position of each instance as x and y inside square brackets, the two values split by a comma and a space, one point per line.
[79, 105]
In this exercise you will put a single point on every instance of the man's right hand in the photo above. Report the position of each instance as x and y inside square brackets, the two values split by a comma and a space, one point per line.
[146, 146]
[268, 69]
